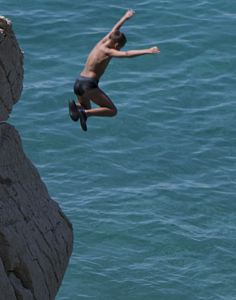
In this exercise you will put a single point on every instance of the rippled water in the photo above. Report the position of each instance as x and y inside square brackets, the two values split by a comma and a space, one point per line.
[150, 193]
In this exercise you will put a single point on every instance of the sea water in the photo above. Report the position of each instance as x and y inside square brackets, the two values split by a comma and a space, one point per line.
[151, 192]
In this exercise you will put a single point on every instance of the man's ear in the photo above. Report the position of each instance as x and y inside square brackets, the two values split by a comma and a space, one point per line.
[117, 47]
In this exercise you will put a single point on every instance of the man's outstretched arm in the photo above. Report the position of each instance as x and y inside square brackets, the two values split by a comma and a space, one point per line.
[126, 16]
[132, 53]
[118, 25]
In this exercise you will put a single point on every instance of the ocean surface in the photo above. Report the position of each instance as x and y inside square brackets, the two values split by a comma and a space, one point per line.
[151, 193]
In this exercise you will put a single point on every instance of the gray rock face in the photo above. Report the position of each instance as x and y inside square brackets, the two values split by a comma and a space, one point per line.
[11, 69]
[35, 236]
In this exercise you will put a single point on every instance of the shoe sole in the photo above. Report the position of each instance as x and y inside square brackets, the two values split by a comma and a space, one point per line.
[73, 111]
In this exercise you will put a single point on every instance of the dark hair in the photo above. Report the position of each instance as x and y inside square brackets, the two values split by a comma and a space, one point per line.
[118, 37]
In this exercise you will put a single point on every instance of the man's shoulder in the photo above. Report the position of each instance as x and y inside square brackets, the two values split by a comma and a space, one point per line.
[101, 49]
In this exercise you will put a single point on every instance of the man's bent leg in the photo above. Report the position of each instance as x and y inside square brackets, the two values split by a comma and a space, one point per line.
[107, 107]
[83, 102]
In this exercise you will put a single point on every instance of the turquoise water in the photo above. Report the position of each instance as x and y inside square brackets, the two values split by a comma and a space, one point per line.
[151, 192]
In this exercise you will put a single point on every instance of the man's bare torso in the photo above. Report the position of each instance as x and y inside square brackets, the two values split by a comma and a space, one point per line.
[97, 61]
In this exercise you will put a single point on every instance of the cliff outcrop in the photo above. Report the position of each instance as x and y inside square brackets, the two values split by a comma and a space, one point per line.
[11, 69]
[36, 238]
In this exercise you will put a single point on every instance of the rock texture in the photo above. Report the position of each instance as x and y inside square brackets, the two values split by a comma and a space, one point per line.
[35, 236]
[11, 70]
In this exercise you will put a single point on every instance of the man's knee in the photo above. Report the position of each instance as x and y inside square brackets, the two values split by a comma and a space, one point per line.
[114, 111]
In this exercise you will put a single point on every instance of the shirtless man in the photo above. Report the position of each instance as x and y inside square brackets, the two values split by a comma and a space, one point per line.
[86, 86]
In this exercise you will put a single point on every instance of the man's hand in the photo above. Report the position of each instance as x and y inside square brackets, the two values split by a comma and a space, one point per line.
[154, 50]
[129, 14]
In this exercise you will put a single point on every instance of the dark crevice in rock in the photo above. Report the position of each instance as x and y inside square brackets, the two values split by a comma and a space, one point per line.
[6, 181]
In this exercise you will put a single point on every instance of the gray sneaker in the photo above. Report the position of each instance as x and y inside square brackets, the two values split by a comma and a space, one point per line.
[73, 110]
[83, 119]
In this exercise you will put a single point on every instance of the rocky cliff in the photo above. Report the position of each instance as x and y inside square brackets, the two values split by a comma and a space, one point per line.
[35, 236]
[11, 69]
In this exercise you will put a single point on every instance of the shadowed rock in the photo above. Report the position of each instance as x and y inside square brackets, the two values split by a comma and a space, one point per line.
[35, 236]
[11, 69]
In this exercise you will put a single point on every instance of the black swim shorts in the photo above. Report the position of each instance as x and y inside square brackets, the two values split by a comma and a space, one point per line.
[84, 84]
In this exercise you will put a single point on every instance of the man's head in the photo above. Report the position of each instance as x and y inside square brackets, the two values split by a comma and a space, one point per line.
[118, 38]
